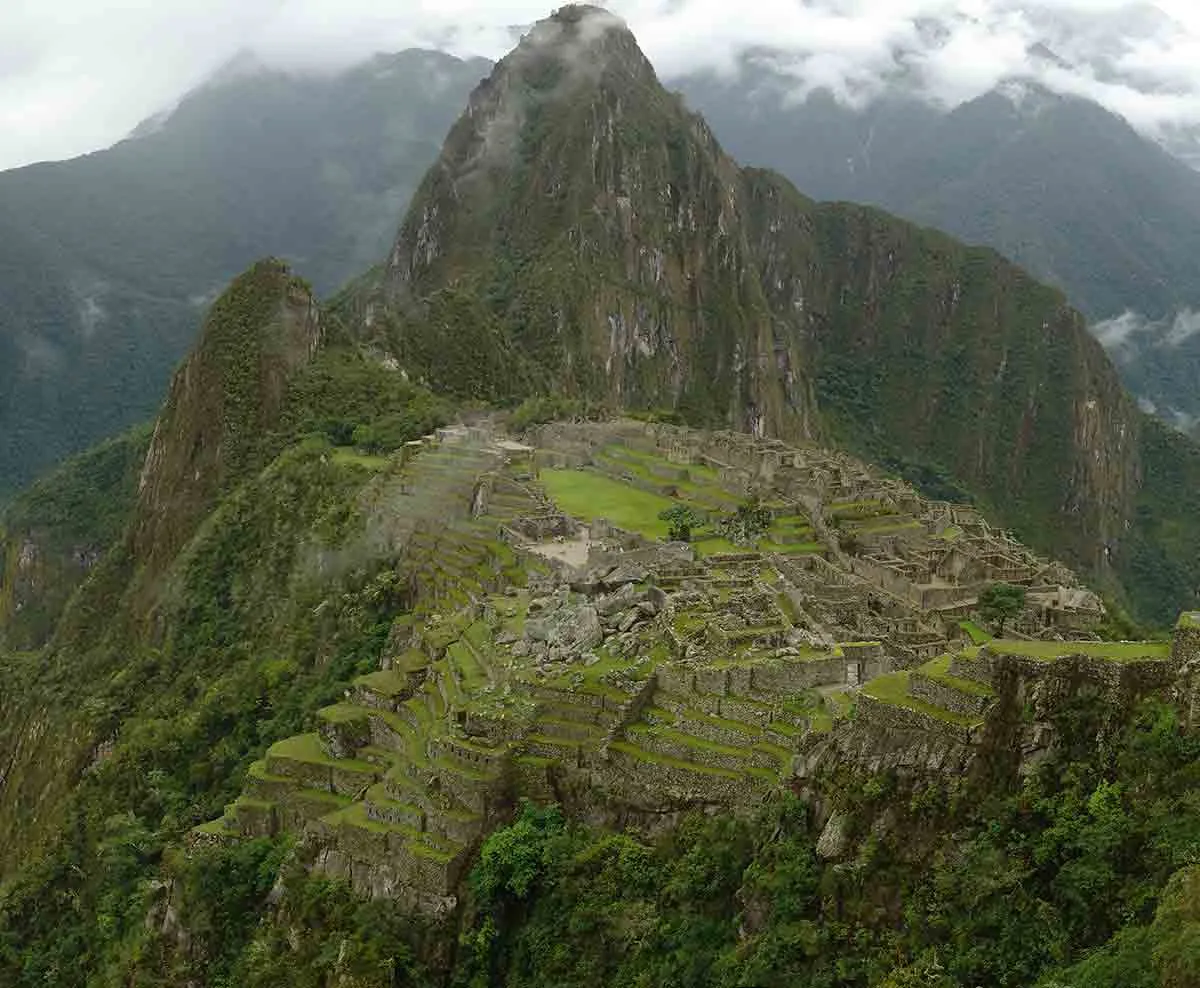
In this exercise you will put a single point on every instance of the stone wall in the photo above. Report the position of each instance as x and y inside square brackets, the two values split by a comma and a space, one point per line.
[943, 695]
[883, 738]
[383, 878]
[904, 720]
[663, 784]
[1185, 647]
[1121, 682]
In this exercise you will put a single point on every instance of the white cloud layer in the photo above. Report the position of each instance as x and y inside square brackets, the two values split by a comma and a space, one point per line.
[1133, 327]
[77, 75]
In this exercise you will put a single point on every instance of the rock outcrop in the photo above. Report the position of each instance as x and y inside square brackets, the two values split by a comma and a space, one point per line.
[223, 399]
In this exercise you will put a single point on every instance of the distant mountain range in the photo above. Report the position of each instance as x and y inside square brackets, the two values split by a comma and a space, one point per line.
[1060, 185]
[108, 261]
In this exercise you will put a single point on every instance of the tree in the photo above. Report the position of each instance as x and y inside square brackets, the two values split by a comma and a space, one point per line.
[1000, 603]
[681, 520]
[746, 525]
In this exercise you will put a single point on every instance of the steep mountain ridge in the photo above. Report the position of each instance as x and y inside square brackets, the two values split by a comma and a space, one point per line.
[583, 234]
[1057, 184]
[227, 395]
[586, 231]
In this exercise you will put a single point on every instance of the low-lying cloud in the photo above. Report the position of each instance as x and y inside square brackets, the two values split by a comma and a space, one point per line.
[76, 75]
[1132, 327]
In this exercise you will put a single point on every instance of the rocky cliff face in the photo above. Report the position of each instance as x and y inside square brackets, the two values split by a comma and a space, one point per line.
[224, 398]
[582, 232]
[928, 351]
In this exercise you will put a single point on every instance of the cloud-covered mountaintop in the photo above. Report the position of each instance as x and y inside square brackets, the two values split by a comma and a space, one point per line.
[74, 78]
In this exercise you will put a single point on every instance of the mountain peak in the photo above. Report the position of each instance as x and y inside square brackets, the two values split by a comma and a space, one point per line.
[577, 42]
[583, 233]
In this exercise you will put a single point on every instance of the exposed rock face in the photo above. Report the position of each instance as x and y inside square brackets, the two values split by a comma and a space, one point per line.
[230, 391]
[834, 841]
[583, 232]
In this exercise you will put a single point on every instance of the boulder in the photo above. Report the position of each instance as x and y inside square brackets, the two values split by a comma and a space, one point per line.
[834, 841]
[586, 632]
[621, 600]
[624, 573]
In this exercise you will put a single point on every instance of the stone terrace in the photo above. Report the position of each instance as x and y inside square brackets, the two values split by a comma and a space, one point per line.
[563, 651]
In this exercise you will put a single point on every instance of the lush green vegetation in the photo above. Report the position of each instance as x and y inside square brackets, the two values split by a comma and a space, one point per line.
[1067, 880]
[70, 518]
[1158, 556]
[1001, 603]
[256, 636]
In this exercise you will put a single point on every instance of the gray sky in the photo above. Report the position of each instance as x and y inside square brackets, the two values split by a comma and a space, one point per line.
[77, 75]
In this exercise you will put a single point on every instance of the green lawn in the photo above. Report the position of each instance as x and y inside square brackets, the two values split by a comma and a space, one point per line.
[893, 688]
[841, 701]
[385, 682]
[1189, 620]
[1113, 651]
[349, 456]
[939, 671]
[342, 713]
[589, 496]
[308, 748]
[977, 634]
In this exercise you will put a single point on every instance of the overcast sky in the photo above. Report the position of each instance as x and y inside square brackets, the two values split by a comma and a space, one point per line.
[77, 75]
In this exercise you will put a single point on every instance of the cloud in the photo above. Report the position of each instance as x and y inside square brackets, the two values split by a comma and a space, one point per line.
[77, 75]
[1119, 333]
[1183, 328]
[1114, 333]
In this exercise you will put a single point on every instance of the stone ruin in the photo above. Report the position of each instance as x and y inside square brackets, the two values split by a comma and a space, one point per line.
[631, 679]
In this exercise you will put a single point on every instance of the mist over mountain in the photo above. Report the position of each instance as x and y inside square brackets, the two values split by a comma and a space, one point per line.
[108, 261]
